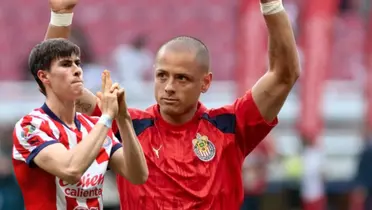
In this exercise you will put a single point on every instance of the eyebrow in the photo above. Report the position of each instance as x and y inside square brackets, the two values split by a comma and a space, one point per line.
[177, 74]
[68, 60]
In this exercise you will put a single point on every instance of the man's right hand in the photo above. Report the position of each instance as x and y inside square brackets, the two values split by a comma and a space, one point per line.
[107, 100]
[62, 6]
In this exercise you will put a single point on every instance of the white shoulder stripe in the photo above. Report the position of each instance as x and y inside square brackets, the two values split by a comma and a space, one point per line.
[46, 118]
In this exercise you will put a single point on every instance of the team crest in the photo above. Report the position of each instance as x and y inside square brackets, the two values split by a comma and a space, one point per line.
[203, 148]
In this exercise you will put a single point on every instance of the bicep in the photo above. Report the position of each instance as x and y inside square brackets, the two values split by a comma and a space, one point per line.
[54, 159]
[269, 94]
[35, 145]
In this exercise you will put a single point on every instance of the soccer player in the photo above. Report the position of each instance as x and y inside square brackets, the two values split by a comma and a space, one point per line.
[195, 154]
[60, 156]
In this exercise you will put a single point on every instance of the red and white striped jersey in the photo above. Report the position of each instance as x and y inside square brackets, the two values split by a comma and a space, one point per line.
[42, 190]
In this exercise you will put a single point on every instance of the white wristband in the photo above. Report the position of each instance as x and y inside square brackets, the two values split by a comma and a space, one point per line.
[106, 120]
[64, 19]
[272, 7]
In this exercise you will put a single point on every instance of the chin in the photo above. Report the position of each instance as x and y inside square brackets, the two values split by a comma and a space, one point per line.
[173, 111]
[76, 94]
[78, 91]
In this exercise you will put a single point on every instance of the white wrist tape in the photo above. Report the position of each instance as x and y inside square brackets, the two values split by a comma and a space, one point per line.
[64, 19]
[106, 120]
[272, 7]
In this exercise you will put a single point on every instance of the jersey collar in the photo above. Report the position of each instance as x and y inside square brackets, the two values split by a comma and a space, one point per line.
[50, 113]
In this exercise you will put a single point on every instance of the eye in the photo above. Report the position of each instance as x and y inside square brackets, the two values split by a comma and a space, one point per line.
[160, 75]
[78, 63]
[66, 64]
[182, 78]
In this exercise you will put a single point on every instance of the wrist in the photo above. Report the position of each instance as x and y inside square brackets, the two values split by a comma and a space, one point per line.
[62, 11]
[111, 115]
[124, 114]
[106, 120]
[271, 7]
[61, 18]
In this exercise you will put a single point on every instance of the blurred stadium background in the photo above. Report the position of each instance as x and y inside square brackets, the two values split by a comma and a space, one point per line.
[331, 103]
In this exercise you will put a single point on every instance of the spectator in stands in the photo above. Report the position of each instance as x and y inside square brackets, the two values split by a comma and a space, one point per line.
[92, 70]
[132, 61]
[255, 169]
[312, 185]
[363, 181]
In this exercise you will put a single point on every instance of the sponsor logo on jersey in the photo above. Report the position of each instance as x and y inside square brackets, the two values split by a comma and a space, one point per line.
[203, 148]
[89, 186]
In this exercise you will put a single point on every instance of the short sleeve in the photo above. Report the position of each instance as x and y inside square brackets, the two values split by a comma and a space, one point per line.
[30, 136]
[115, 144]
[251, 127]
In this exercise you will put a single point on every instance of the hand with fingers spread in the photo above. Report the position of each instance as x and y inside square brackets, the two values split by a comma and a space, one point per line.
[107, 99]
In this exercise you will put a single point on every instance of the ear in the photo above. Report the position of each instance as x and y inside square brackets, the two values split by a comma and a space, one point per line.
[206, 82]
[43, 76]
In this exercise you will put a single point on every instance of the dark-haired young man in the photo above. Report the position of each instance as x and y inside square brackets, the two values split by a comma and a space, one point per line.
[60, 156]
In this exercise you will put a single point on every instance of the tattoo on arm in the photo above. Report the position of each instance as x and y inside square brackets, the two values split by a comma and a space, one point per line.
[84, 107]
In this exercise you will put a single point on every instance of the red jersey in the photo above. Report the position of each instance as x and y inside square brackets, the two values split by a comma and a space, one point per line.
[42, 190]
[197, 165]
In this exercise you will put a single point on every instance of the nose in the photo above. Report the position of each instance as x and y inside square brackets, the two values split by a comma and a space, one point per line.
[169, 87]
[78, 72]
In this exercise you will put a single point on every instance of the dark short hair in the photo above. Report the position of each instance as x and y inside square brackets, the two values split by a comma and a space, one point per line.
[44, 53]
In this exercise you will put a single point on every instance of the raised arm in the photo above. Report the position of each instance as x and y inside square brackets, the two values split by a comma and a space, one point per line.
[60, 19]
[270, 92]
[60, 27]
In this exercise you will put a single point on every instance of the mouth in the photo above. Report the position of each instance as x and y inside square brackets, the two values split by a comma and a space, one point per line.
[77, 82]
[169, 100]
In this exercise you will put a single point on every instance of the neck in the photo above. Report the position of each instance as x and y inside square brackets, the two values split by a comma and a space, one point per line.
[64, 110]
[179, 119]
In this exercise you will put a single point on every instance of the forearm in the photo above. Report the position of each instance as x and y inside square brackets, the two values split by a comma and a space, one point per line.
[134, 158]
[86, 151]
[283, 56]
[58, 32]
